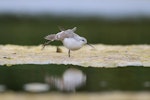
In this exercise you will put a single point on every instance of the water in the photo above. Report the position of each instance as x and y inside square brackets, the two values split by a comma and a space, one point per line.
[88, 79]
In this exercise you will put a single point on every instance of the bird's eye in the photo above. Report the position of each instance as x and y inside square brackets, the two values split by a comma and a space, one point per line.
[83, 40]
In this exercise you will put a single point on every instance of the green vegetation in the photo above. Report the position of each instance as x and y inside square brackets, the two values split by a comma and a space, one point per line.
[30, 30]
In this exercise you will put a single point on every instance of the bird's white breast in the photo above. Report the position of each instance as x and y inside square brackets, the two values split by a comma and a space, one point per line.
[72, 43]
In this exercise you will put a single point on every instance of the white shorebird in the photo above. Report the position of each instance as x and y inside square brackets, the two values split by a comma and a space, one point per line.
[70, 40]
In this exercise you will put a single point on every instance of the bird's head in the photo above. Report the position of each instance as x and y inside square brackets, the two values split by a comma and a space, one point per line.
[83, 40]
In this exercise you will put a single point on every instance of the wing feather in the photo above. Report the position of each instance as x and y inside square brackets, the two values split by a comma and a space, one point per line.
[50, 37]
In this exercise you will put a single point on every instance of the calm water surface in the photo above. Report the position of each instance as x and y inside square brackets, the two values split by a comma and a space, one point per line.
[75, 78]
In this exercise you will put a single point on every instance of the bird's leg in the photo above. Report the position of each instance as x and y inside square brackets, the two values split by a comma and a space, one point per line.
[46, 43]
[69, 53]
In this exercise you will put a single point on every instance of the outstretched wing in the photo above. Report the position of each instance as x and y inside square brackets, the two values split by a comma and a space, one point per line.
[62, 35]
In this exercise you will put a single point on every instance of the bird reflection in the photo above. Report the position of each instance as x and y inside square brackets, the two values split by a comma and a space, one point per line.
[36, 87]
[71, 80]
[2, 88]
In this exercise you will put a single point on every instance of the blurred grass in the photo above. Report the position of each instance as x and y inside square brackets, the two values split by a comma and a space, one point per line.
[30, 30]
